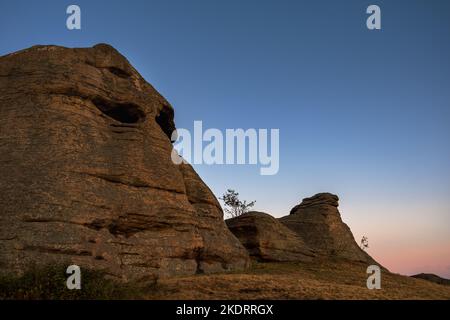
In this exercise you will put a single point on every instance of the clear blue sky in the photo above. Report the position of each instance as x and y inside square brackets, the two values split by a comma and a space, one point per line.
[363, 114]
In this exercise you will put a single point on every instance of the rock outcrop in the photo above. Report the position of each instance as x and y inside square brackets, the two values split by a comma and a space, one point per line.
[318, 222]
[87, 177]
[432, 278]
[266, 239]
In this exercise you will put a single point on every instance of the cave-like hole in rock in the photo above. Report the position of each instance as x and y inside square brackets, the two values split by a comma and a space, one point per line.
[123, 112]
[165, 121]
[119, 72]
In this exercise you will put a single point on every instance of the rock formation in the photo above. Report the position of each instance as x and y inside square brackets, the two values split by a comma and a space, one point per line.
[432, 278]
[318, 222]
[267, 239]
[86, 173]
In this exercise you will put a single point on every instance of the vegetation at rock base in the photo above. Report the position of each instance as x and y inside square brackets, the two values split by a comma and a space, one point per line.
[49, 283]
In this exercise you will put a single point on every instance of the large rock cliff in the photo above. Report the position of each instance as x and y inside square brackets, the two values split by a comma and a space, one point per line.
[87, 177]
[318, 222]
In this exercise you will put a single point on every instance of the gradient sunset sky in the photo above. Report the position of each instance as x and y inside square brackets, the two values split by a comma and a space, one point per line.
[362, 114]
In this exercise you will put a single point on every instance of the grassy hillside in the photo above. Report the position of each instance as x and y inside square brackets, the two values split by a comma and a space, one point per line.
[314, 280]
[318, 280]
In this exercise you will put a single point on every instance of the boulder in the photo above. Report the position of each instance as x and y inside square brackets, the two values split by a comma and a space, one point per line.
[266, 239]
[318, 222]
[87, 177]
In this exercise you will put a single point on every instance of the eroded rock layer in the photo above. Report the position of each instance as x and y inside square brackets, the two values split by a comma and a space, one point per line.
[266, 239]
[318, 222]
[86, 175]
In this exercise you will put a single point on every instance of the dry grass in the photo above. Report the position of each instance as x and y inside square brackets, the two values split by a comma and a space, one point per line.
[318, 280]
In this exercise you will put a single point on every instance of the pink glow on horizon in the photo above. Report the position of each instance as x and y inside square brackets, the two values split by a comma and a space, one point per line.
[415, 259]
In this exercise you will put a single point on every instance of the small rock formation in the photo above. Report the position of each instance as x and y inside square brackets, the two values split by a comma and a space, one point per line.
[266, 239]
[318, 222]
[87, 177]
[432, 278]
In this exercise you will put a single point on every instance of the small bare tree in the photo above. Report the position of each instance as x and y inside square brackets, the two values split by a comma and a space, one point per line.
[364, 243]
[233, 206]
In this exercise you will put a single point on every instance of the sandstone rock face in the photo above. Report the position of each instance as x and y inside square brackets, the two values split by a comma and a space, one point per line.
[318, 222]
[266, 239]
[87, 177]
